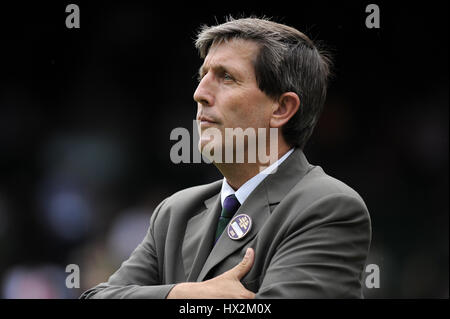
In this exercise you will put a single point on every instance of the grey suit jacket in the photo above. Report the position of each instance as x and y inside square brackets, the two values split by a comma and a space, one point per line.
[311, 235]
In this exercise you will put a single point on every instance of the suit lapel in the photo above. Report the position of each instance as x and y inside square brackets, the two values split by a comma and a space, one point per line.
[256, 206]
[289, 173]
[199, 237]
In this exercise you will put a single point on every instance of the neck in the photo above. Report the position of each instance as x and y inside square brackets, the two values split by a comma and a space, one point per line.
[237, 174]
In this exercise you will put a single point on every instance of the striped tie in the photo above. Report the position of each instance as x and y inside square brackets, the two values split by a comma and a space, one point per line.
[230, 206]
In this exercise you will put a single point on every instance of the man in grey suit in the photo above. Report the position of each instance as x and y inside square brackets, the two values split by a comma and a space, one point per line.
[289, 231]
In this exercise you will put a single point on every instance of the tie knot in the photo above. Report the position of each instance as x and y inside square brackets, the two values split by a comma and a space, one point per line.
[230, 206]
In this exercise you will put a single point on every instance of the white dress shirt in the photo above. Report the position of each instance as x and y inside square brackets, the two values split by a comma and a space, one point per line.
[245, 190]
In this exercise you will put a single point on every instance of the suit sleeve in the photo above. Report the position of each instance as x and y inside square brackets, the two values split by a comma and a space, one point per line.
[137, 277]
[323, 252]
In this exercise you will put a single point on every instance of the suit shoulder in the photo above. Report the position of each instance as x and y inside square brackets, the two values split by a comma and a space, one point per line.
[316, 185]
[187, 200]
[320, 197]
[198, 191]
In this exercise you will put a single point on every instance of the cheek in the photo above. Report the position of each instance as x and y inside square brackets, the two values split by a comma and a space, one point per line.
[244, 114]
[257, 112]
[248, 109]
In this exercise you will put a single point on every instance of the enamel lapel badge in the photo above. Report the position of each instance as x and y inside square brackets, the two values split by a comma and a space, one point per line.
[239, 226]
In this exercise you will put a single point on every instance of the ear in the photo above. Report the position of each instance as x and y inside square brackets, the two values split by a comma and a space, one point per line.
[288, 104]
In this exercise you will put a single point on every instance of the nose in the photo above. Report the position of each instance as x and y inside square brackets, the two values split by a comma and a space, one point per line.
[204, 92]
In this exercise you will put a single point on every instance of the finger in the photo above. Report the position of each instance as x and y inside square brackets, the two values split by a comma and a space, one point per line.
[245, 265]
[251, 295]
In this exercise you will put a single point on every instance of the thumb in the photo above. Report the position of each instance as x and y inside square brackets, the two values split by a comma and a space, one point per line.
[241, 269]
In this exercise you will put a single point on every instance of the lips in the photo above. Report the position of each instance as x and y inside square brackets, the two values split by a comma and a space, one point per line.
[205, 119]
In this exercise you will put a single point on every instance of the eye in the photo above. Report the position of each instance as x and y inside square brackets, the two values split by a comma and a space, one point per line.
[227, 77]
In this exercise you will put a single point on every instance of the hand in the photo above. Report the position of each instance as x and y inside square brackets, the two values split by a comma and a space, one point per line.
[224, 286]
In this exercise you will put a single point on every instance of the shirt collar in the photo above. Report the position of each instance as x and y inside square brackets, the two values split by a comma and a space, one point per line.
[247, 188]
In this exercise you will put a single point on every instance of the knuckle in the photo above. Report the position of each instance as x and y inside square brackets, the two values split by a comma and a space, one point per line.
[247, 294]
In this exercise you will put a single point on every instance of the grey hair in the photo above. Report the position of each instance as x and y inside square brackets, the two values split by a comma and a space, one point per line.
[287, 61]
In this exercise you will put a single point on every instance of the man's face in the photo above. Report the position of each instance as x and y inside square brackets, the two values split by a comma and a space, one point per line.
[228, 95]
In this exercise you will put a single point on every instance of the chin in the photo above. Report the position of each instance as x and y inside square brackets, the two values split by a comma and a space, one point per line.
[207, 148]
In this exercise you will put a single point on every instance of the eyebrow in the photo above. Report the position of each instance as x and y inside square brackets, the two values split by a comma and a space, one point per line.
[217, 68]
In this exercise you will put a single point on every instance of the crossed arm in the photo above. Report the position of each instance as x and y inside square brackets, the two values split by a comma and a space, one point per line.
[225, 286]
[322, 260]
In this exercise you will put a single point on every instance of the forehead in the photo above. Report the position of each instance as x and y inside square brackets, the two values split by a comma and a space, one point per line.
[234, 51]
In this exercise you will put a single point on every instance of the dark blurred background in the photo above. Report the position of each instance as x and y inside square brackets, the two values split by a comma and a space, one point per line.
[86, 115]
